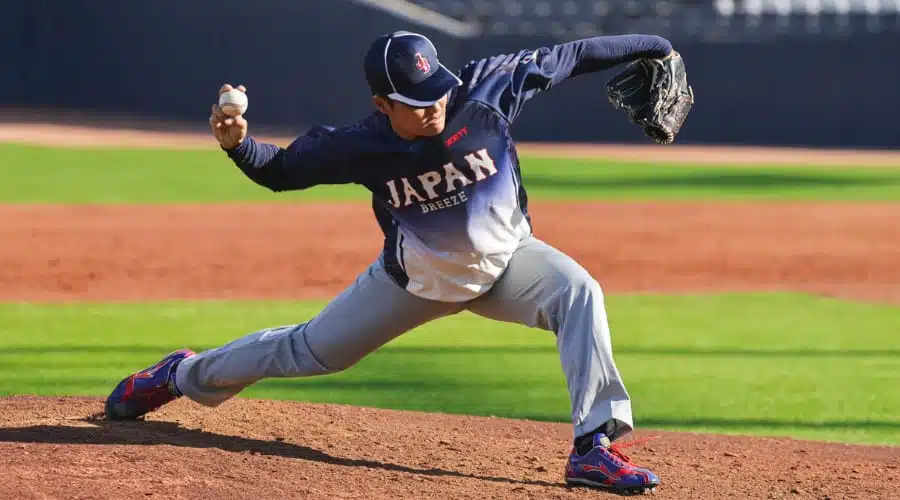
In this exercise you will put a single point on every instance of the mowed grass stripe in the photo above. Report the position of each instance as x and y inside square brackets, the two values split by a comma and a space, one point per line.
[34, 174]
[818, 368]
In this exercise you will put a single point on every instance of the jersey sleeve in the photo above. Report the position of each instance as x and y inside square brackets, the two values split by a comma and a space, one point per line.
[323, 155]
[507, 82]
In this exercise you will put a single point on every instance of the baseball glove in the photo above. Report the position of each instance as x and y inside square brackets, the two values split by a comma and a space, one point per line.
[655, 94]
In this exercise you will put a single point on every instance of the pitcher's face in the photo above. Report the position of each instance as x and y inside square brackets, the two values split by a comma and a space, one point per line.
[410, 122]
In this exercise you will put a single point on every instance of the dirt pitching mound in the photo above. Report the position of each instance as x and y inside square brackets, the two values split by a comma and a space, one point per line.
[266, 449]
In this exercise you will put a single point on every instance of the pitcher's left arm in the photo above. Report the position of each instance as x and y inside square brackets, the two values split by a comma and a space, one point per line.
[506, 82]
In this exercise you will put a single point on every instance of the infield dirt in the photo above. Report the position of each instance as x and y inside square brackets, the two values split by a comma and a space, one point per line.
[294, 250]
[53, 448]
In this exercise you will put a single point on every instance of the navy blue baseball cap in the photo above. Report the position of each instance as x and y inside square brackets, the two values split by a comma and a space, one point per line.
[404, 67]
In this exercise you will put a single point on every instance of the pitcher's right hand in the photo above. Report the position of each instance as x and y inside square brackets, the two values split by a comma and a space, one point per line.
[230, 131]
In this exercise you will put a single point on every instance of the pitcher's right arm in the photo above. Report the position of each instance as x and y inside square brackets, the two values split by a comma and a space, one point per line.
[318, 157]
[323, 155]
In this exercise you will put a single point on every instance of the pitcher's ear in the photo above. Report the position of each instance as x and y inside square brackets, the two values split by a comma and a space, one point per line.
[382, 103]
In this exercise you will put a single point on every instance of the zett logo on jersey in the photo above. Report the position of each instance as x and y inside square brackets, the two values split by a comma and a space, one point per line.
[430, 186]
[457, 136]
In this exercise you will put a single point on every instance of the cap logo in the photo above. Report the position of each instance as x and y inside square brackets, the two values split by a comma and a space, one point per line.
[422, 63]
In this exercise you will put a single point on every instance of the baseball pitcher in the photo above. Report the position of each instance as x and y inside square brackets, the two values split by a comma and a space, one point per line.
[441, 164]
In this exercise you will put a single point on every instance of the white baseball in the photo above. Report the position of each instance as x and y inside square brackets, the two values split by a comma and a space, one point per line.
[233, 102]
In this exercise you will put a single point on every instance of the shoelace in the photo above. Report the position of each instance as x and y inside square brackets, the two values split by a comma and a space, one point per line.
[616, 449]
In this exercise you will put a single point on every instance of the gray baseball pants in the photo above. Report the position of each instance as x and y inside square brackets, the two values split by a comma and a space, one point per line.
[542, 288]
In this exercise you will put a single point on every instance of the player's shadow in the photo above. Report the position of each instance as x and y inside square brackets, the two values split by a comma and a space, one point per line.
[104, 432]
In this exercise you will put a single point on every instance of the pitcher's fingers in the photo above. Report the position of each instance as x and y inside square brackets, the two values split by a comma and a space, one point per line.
[217, 112]
[225, 88]
[214, 120]
[219, 118]
[242, 88]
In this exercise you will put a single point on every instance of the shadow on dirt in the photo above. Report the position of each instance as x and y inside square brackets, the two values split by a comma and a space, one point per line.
[104, 432]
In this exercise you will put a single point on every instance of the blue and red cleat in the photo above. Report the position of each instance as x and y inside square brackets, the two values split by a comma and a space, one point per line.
[606, 467]
[146, 390]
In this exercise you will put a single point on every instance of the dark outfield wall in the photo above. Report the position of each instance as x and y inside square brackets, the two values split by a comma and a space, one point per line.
[12, 52]
[302, 63]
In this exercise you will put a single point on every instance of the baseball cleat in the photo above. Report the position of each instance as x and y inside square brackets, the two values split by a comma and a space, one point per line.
[144, 391]
[606, 467]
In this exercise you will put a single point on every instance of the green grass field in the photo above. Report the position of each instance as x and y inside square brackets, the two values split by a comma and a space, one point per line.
[819, 368]
[57, 175]
[774, 364]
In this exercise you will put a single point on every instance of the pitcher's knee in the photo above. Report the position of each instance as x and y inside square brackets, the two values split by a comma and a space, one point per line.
[330, 358]
[584, 288]
[573, 300]
[340, 364]
[308, 358]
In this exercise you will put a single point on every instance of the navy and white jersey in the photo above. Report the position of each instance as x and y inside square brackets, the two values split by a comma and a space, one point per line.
[452, 207]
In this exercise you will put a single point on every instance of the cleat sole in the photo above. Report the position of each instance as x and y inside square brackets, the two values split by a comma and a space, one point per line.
[625, 491]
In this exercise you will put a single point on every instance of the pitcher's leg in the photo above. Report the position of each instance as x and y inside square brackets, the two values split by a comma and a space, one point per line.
[545, 288]
[368, 314]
